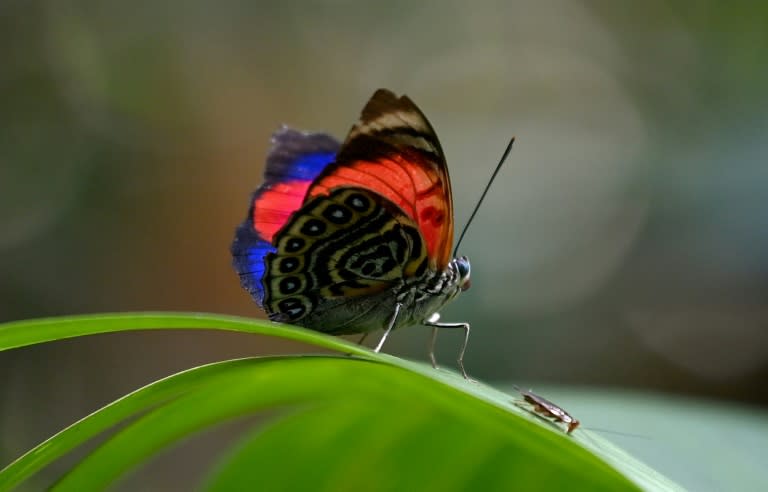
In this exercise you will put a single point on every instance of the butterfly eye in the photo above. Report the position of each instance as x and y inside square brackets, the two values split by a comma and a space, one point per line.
[462, 267]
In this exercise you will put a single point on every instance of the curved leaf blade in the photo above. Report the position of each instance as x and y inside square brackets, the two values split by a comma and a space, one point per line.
[17, 334]
[111, 415]
[524, 449]
[453, 389]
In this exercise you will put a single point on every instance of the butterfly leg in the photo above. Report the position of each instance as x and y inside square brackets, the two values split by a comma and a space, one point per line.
[392, 320]
[360, 342]
[432, 341]
[433, 322]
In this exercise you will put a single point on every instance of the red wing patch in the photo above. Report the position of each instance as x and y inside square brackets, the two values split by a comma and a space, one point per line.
[393, 151]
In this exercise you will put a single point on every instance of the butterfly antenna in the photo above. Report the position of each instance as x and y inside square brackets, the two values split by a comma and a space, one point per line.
[485, 192]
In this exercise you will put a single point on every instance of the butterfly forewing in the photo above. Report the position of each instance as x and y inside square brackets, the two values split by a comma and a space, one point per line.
[393, 151]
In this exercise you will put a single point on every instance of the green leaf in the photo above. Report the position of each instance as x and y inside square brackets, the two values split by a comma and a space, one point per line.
[427, 429]
[16, 334]
[118, 411]
[706, 444]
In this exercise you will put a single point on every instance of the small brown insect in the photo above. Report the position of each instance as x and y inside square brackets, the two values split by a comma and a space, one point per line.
[546, 408]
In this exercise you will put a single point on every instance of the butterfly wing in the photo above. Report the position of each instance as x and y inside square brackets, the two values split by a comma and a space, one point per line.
[394, 152]
[335, 231]
[295, 160]
[339, 248]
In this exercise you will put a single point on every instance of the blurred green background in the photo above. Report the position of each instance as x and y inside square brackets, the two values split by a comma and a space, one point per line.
[624, 245]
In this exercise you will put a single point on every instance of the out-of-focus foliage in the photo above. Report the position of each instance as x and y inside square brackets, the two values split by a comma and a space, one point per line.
[374, 422]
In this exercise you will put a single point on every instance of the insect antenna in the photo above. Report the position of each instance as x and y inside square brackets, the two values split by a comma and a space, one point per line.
[485, 192]
[618, 433]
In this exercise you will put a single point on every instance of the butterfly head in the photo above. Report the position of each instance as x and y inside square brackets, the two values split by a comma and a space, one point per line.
[461, 267]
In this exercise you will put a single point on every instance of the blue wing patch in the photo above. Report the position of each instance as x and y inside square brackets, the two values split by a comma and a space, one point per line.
[299, 156]
[248, 254]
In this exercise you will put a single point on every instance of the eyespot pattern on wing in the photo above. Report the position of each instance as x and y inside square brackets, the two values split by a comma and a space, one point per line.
[349, 243]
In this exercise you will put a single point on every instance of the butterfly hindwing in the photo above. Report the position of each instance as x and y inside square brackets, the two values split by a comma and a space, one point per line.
[344, 245]
[394, 152]
[295, 160]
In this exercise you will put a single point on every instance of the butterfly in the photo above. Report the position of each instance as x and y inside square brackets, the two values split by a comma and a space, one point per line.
[355, 237]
